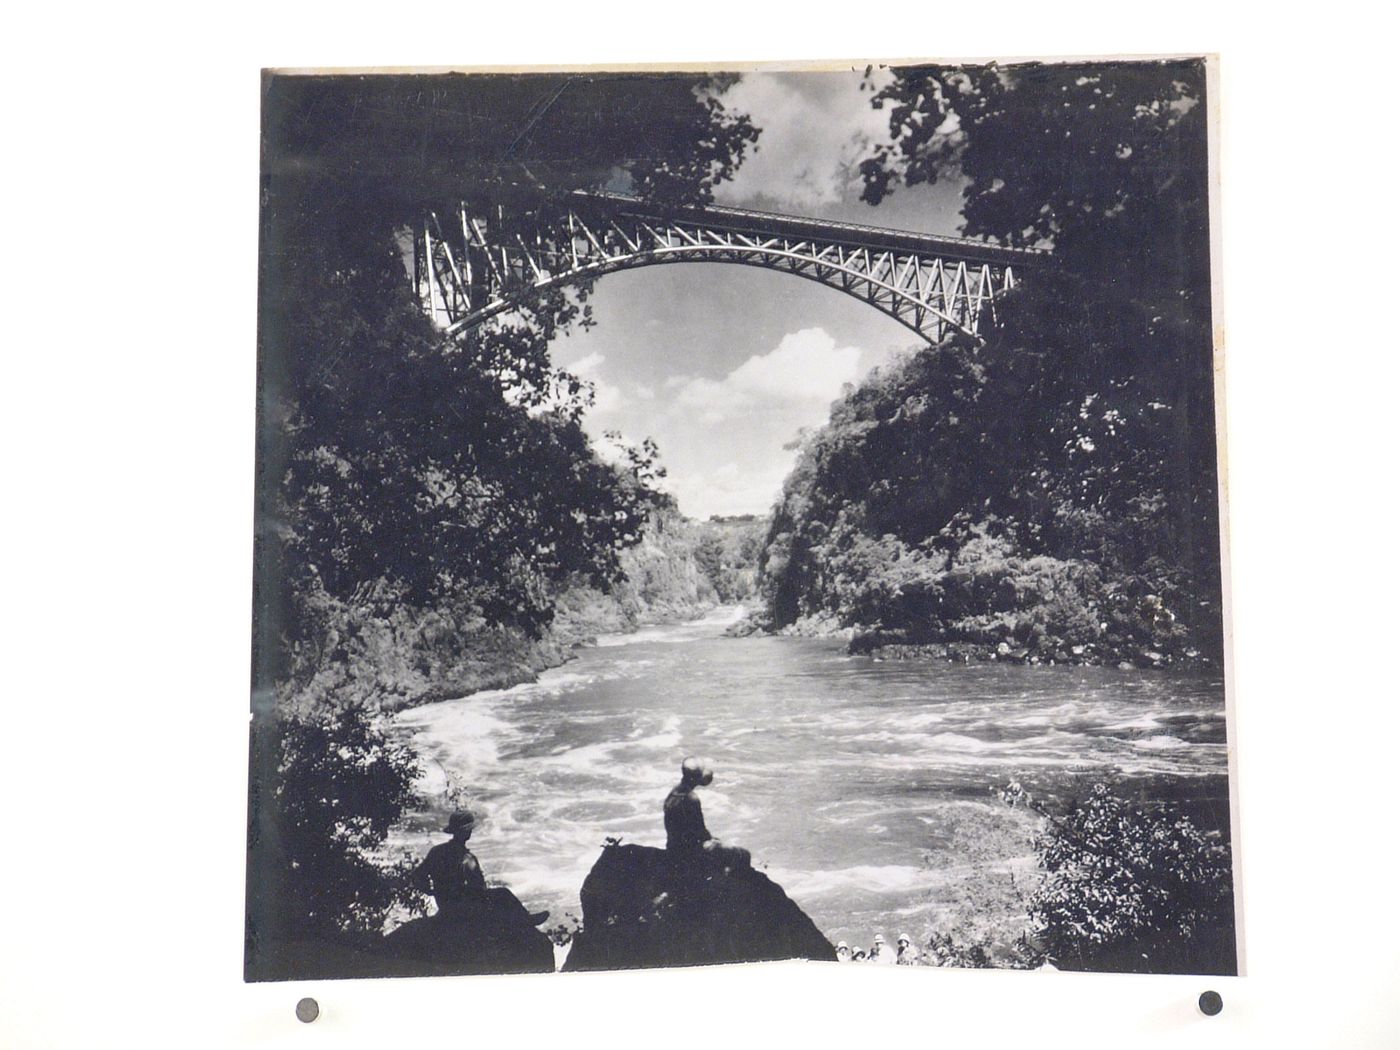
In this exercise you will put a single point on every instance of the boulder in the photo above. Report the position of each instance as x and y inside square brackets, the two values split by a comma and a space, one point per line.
[640, 909]
[493, 935]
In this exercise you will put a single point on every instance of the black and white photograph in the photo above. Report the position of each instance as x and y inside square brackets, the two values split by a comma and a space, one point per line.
[714, 517]
[614, 524]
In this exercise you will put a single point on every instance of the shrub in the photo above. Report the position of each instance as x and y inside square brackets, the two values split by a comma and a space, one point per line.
[1130, 889]
[341, 783]
[943, 950]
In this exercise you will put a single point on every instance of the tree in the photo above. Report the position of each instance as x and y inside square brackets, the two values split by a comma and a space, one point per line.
[341, 782]
[1106, 163]
[1080, 429]
[709, 556]
[388, 453]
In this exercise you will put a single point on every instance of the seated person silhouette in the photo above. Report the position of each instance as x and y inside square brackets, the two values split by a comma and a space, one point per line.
[451, 874]
[689, 843]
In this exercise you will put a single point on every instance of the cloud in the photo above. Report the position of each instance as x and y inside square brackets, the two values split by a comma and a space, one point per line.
[805, 370]
[805, 366]
[726, 442]
[815, 128]
[730, 488]
[706, 398]
[611, 447]
[585, 366]
[607, 398]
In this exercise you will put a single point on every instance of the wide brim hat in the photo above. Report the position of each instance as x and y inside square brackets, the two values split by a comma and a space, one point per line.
[459, 820]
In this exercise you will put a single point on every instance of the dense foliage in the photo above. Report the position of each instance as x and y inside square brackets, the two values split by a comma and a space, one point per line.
[1051, 490]
[342, 784]
[1129, 888]
[727, 551]
[943, 950]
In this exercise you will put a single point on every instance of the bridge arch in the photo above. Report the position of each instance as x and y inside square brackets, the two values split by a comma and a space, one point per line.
[471, 268]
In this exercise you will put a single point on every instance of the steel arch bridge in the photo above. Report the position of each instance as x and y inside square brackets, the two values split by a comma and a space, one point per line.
[470, 267]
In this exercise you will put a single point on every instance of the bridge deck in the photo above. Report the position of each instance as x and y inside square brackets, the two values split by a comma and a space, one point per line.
[766, 224]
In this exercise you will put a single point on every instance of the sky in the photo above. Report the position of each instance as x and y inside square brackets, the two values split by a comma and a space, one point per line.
[724, 365]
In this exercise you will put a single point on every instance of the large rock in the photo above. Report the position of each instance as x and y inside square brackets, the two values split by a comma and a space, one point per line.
[494, 935]
[639, 910]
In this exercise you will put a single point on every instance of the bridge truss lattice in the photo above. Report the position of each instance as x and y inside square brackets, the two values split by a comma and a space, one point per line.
[470, 267]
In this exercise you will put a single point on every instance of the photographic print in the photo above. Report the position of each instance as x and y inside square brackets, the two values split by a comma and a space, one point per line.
[720, 517]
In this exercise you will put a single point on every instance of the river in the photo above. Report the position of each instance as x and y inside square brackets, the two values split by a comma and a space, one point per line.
[864, 788]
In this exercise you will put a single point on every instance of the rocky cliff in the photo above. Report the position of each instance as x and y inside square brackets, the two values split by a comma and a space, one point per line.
[663, 583]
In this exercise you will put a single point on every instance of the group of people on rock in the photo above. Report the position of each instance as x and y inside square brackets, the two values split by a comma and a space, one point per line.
[904, 954]
[452, 876]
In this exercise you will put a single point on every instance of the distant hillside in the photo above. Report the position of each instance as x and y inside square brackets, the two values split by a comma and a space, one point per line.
[728, 549]
[664, 582]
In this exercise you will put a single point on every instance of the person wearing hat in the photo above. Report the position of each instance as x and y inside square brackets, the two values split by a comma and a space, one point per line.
[843, 951]
[688, 842]
[452, 875]
[879, 953]
[450, 872]
[907, 955]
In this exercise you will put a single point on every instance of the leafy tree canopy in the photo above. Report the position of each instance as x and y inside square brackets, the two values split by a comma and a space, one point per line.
[1082, 427]
[1106, 161]
[448, 470]
[377, 149]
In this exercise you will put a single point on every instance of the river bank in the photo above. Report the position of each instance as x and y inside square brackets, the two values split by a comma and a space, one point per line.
[1041, 650]
[500, 659]
[379, 651]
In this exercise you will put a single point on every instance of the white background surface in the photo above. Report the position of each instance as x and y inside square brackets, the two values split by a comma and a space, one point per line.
[131, 144]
